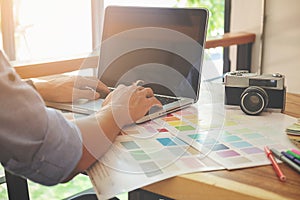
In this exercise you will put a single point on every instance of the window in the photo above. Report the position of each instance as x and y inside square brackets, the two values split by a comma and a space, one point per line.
[59, 28]
[51, 28]
[216, 8]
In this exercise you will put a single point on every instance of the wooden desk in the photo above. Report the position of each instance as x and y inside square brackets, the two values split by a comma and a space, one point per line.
[251, 183]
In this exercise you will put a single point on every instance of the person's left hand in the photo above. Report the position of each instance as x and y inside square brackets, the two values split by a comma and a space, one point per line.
[70, 88]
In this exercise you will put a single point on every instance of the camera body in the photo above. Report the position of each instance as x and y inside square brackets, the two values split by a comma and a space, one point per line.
[253, 93]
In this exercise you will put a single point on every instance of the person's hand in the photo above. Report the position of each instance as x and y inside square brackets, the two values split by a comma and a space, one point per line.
[70, 88]
[123, 106]
[130, 103]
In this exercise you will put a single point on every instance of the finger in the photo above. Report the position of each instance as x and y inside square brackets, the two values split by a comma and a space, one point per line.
[133, 88]
[85, 94]
[107, 99]
[153, 105]
[92, 82]
[101, 87]
[148, 92]
[95, 84]
[154, 102]
[140, 88]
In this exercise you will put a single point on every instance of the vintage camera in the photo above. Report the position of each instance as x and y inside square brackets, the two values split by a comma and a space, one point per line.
[253, 93]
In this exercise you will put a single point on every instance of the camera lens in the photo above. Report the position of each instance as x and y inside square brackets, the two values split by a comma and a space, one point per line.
[253, 100]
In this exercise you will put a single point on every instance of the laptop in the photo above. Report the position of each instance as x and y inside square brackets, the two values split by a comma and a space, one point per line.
[161, 48]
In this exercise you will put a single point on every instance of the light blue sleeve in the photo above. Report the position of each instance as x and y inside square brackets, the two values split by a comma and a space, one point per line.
[36, 142]
[57, 156]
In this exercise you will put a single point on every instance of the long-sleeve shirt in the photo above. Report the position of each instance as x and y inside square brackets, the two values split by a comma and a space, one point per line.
[35, 142]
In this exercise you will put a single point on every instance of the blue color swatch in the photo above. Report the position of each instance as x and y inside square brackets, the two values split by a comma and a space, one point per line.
[166, 141]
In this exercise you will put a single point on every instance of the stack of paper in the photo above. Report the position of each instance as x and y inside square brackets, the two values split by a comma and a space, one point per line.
[294, 129]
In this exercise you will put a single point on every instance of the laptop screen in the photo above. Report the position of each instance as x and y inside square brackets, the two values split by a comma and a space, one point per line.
[161, 46]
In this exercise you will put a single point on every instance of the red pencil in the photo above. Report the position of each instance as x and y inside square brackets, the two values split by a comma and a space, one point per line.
[279, 173]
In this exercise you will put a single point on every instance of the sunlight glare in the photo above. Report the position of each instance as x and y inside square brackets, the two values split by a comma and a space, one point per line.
[55, 28]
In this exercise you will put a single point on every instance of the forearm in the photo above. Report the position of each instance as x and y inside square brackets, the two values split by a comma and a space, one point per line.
[36, 142]
[98, 133]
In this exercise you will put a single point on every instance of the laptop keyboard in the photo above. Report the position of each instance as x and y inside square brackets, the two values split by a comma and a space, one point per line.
[165, 100]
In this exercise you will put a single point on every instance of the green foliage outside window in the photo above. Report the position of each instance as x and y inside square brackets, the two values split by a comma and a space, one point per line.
[216, 17]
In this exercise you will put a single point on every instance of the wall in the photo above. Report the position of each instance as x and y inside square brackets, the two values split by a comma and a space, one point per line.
[247, 16]
[281, 52]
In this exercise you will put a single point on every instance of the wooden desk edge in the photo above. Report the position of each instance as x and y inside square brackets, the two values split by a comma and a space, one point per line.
[208, 186]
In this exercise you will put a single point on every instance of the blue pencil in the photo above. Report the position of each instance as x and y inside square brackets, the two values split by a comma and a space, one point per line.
[292, 158]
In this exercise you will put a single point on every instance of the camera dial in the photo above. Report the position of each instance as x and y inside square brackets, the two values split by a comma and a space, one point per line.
[277, 75]
[253, 100]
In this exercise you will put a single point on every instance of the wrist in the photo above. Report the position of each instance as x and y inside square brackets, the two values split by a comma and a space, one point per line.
[108, 121]
[98, 133]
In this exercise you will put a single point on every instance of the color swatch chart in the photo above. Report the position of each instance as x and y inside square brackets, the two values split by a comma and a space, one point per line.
[238, 143]
[191, 140]
[135, 161]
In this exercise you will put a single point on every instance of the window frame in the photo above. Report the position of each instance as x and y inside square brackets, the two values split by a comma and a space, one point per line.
[44, 67]
[8, 29]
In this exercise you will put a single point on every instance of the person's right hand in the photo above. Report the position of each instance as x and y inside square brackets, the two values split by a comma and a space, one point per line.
[130, 103]
[70, 88]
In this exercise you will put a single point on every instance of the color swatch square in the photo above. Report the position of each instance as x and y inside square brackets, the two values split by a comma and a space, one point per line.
[166, 141]
[191, 117]
[219, 147]
[139, 155]
[242, 144]
[177, 123]
[252, 150]
[243, 130]
[230, 123]
[253, 135]
[162, 130]
[179, 141]
[195, 136]
[130, 145]
[185, 128]
[229, 153]
[231, 138]
[172, 118]
[150, 169]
